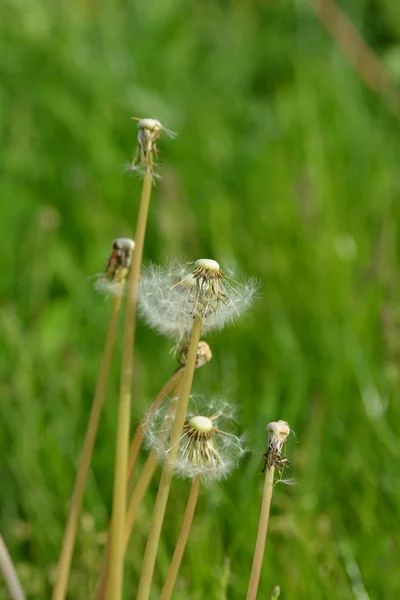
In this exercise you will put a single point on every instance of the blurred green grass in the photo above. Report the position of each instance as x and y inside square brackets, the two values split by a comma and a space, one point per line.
[284, 164]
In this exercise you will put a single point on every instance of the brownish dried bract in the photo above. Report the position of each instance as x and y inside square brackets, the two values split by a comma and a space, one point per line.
[112, 281]
[277, 434]
[120, 259]
[203, 356]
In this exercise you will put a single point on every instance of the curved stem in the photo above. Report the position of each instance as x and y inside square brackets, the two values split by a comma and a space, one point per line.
[166, 477]
[139, 433]
[261, 535]
[64, 564]
[182, 541]
[117, 541]
[9, 573]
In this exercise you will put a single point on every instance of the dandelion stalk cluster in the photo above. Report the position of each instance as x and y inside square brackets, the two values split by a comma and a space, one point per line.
[189, 437]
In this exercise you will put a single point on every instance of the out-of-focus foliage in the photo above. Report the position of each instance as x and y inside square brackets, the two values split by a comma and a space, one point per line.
[286, 166]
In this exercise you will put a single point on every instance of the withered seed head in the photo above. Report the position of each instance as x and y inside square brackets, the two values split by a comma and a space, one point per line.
[112, 281]
[277, 434]
[148, 134]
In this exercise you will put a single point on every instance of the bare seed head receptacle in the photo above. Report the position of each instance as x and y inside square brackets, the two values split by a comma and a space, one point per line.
[149, 131]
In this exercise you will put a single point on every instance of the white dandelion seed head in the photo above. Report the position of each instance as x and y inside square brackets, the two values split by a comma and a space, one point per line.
[170, 297]
[207, 448]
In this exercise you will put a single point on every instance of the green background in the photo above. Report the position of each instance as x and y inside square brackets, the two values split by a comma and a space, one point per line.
[284, 164]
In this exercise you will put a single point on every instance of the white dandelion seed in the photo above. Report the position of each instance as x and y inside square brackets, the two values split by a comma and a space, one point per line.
[112, 281]
[207, 448]
[170, 297]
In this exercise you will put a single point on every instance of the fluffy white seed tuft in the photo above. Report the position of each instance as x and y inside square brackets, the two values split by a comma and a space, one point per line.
[207, 447]
[169, 297]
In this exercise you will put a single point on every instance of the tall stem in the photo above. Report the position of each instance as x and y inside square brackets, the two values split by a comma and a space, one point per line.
[142, 483]
[64, 564]
[166, 477]
[182, 541]
[134, 503]
[9, 573]
[261, 535]
[117, 543]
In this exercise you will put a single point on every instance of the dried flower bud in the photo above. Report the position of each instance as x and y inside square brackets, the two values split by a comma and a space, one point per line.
[169, 298]
[203, 356]
[112, 281]
[206, 449]
[277, 434]
[148, 134]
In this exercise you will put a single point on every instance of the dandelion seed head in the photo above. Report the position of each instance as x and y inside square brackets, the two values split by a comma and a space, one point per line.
[207, 447]
[112, 281]
[170, 297]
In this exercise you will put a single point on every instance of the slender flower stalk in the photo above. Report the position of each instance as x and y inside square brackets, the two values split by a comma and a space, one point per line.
[173, 570]
[142, 483]
[166, 477]
[9, 573]
[203, 356]
[277, 434]
[113, 281]
[207, 451]
[149, 132]
[136, 499]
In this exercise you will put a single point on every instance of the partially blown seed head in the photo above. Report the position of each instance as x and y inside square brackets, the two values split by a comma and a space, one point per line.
[112, 281]
[206, 448]
[170, 297]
